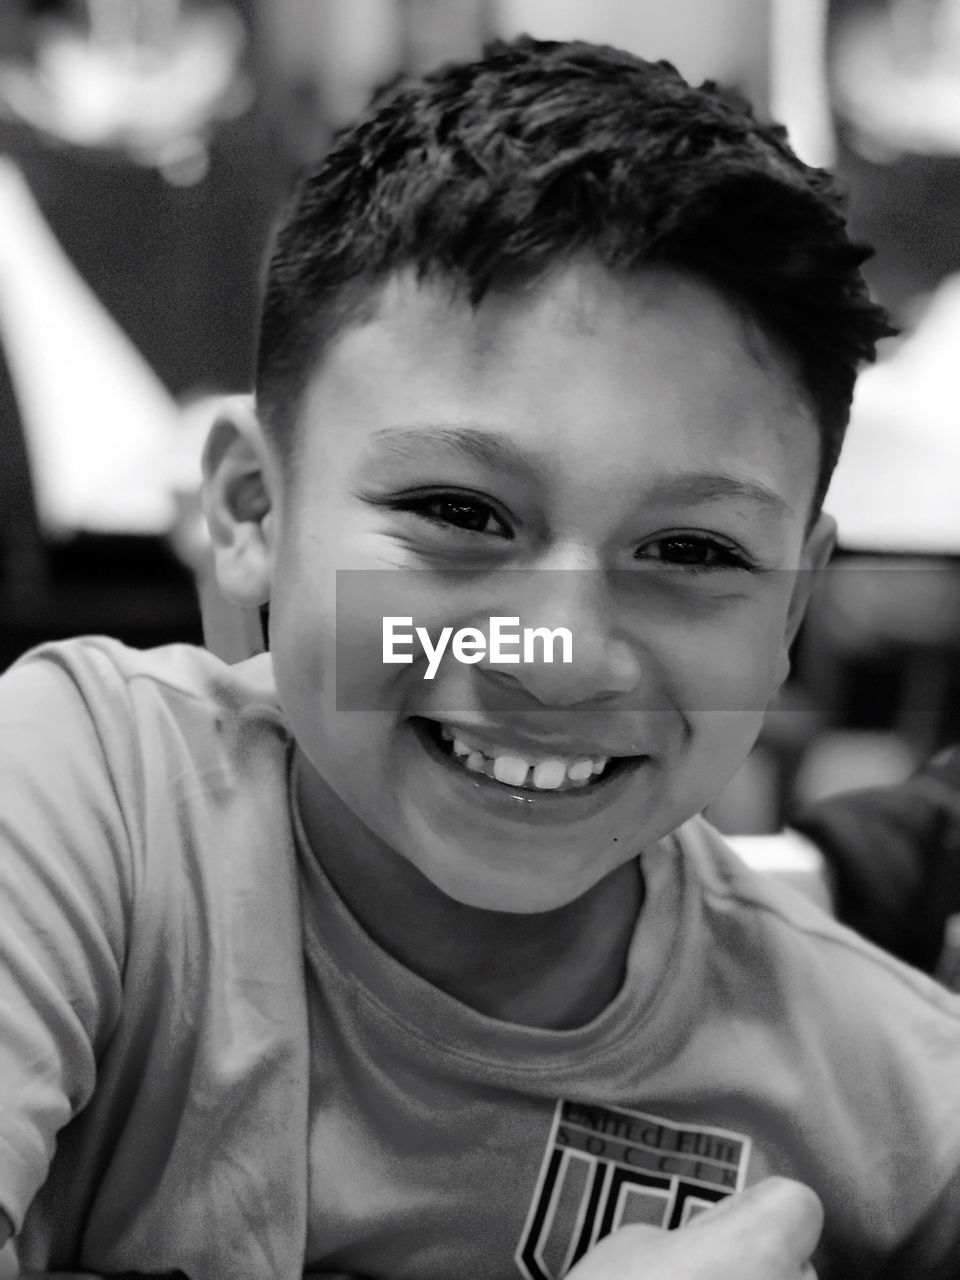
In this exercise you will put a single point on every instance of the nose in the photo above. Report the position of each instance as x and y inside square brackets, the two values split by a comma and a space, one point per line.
[604, 659]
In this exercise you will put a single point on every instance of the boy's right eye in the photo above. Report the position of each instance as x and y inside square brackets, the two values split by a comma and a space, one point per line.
[454, 511]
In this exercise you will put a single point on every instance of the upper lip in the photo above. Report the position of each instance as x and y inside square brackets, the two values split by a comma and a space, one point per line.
[537, 746]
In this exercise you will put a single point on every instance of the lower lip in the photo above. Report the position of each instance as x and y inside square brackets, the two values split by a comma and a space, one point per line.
[523, 805]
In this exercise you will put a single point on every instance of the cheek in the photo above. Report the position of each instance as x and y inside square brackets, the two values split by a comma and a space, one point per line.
[339, 697]
[722, 741]
[303, 647]
[730, 664]
[724, 676]
[373, 622]
[331, 707]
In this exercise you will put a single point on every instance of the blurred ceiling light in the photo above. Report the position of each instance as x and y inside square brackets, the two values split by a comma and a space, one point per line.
[799, 90]
[724, 40]
[438, 31]
[98, 422]
[147, 79]
[896, 72]
[896, 485]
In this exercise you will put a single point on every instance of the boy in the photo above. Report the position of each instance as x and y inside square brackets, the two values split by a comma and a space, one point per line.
[316, 964]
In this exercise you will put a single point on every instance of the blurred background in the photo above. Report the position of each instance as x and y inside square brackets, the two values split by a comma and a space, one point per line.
[144, 146]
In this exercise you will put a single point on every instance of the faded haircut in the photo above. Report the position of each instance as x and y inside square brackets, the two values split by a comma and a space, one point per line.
[489, 175]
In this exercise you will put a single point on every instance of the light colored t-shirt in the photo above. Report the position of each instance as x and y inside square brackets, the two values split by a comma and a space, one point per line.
[207, 1065]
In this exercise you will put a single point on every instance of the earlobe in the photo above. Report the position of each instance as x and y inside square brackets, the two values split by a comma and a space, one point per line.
[238, 504]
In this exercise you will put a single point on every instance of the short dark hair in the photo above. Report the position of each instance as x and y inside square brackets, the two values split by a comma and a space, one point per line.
[489, 174]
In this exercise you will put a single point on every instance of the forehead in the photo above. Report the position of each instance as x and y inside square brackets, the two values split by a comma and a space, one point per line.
[584, 374]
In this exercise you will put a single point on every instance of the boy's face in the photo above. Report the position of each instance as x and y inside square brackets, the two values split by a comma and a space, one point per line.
[647, 463]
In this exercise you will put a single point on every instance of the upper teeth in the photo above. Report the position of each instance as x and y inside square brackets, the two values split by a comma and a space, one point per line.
[516, 770]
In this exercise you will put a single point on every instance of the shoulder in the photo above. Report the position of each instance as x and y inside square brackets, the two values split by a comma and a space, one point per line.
[104, 680]
[152, 736]
[178, 668]
[149, 780]
[818, 959]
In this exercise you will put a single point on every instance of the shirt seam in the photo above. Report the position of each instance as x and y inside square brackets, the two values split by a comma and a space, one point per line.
[318, 956]
[854, 945]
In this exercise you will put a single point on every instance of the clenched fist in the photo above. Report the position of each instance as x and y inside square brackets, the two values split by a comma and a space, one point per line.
[766, 1233]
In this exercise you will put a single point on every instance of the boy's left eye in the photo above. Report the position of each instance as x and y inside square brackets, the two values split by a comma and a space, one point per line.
[695, 552]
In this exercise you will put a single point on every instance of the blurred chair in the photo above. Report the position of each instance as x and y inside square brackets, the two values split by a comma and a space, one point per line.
[888, 629]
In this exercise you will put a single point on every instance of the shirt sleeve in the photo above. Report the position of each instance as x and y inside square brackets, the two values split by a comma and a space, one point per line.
[64, 898]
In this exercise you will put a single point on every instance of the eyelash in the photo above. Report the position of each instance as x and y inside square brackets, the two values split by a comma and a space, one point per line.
[724, 556]
[418, 506]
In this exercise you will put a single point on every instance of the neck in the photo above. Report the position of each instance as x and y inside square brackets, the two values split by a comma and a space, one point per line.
[556, 969]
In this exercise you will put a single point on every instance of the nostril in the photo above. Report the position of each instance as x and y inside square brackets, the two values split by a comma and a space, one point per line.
[507, 691]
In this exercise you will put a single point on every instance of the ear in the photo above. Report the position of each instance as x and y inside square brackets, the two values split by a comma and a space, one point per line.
[818, 548]
[238, 503]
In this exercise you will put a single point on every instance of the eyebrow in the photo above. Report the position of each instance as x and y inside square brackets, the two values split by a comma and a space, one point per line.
[706, 486]
[420, 444]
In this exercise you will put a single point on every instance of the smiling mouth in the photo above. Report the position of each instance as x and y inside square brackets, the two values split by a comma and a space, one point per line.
[514, 772]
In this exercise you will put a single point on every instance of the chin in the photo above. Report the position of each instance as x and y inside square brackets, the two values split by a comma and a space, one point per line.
[489, 886]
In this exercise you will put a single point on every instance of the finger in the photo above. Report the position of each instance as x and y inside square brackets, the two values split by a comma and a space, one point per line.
[780, 1207]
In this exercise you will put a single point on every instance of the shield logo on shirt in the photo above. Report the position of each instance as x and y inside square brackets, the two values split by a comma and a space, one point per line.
[607, 1167]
